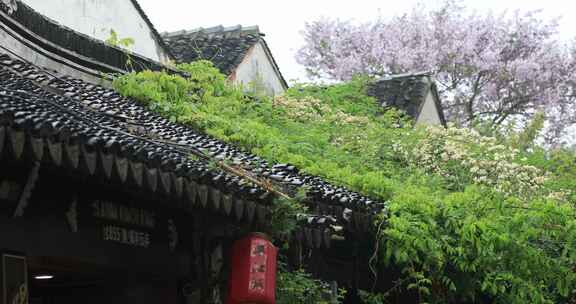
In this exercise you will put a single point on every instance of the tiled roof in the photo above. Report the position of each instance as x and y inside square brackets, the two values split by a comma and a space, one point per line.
[93, 129]
[226, 47]
[406, 92]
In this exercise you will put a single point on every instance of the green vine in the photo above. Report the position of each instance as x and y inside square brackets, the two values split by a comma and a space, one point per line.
[298, 286]
[285, 212]
[124, 43]
[468, 216]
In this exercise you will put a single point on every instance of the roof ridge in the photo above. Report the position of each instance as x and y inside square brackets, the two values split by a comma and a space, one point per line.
[216, 30]
[406, 75]
[155, 32]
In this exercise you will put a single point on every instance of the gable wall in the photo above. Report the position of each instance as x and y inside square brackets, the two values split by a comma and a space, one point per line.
[429, 114]
[257, 68]
[97, 17]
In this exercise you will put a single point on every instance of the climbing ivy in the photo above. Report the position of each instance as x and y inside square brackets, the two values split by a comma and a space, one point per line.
[285, 212]
[298, 286]
[114, 40]
[469, 217]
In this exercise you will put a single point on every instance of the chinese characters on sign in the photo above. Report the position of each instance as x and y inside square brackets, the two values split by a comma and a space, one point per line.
[253, 270]
[126, 236]
[127, 215]
[258, 271]
[137, 217]
[123, 224]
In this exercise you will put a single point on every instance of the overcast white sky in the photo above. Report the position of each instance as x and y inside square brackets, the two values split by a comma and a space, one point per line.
[282, 21]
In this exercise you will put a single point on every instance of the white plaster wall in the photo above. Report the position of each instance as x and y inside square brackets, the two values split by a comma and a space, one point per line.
[429, 114]
[97, 17]
[257, 68]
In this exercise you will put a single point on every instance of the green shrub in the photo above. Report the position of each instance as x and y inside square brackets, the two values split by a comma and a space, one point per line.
[468, 217]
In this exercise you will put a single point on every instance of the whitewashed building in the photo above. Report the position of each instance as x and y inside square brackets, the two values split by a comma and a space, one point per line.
[239, 52]
[98, 18]
[415, 94]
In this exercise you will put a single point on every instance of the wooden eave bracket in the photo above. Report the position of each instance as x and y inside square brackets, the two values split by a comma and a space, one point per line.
[27, 191]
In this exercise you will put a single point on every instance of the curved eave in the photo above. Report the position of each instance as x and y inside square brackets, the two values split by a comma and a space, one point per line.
[274, 64]
[47, 37]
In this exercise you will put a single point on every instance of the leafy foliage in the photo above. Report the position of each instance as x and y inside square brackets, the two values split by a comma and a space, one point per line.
[285, 213]
[330, 137]
[116, 41]
[469, 217]
[372, 298]
[481, 242]
[299, 287]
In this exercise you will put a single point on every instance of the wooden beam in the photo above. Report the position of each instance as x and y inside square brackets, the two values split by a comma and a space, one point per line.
[203, 195]
[261, 213]
[89, 160]
[227, 204]
[135, 173]
[37, 145]
[178, 184]
[55, 151]
[27, 191]
[215, 197]
[191, 188]
[165, 181]
[308, 238]
[317, 235]
[2, 139]
[327, 238]
[121, 168]
[72, 155]
[249, 211]
[151, 178]
[106, 162]
[239, 209]
[17, 140]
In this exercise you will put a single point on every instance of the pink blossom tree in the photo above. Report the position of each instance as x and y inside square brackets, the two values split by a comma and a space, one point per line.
[494, 68]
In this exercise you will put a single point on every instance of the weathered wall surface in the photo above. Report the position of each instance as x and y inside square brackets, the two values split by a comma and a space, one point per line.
[257, 69]
[97, 17]
[429, 114]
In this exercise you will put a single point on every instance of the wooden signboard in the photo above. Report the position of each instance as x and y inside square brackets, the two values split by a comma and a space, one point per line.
[123, 222]
[13, 279]
[131, 225]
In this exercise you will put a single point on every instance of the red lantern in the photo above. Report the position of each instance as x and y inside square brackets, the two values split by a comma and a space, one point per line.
[253, 273]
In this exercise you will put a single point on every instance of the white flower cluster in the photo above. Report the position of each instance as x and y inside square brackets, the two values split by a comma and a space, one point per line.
[304, 109]
[313, 109]
[463, 156]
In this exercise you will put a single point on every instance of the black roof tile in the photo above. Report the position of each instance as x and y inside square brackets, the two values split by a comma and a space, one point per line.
[54, 106]
[225, 47]
[406, 92]
[77, 47]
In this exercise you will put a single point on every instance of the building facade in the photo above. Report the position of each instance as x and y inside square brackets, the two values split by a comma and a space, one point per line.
[102, 201]
[97, 19]
[239, 52]
[414, 94]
